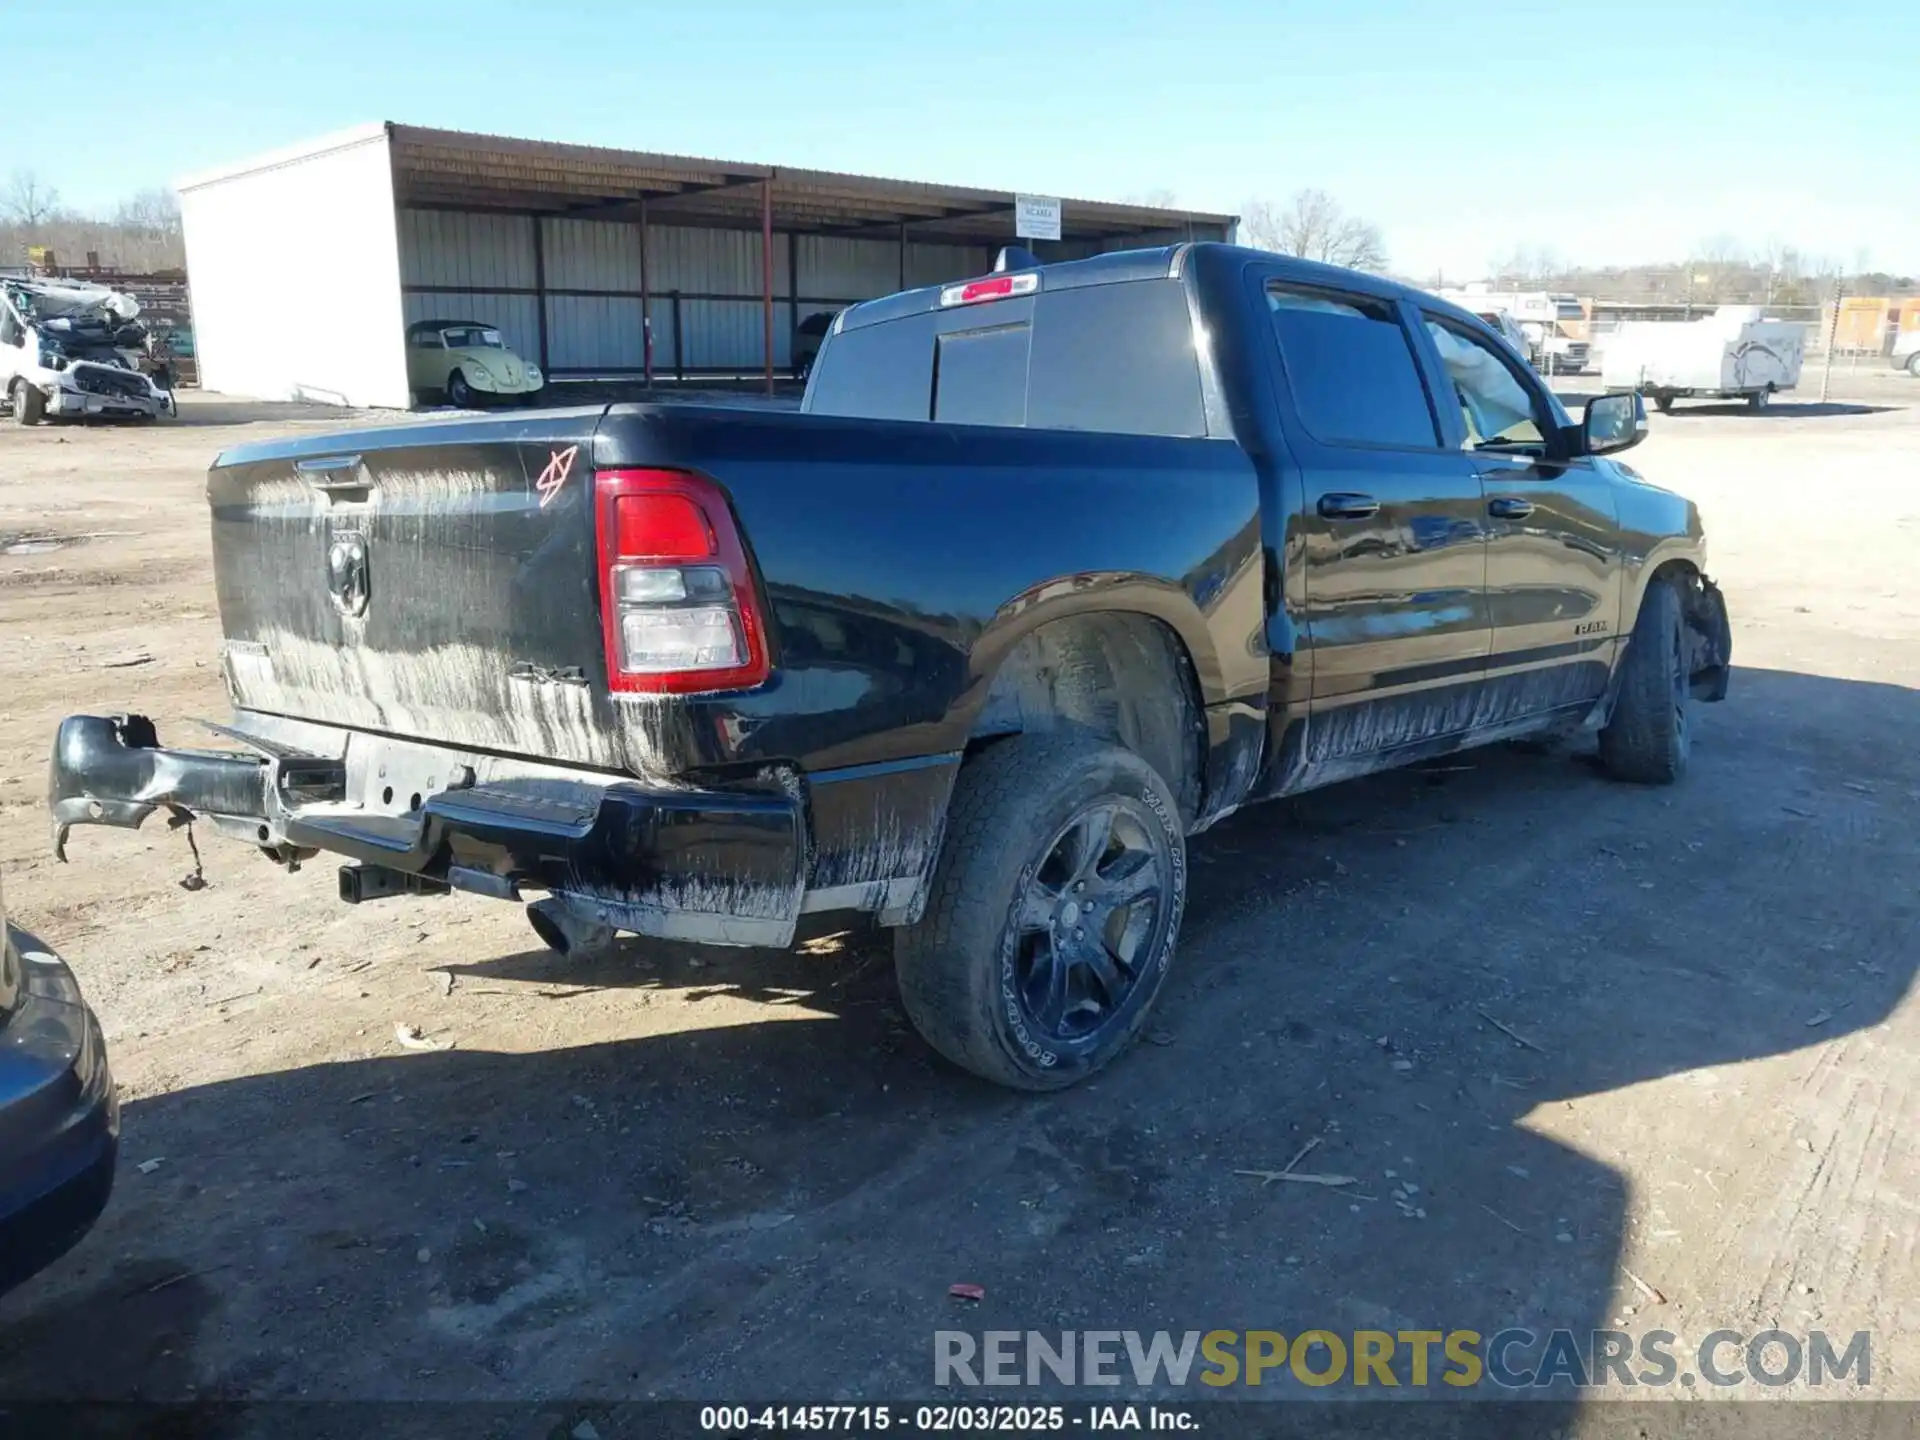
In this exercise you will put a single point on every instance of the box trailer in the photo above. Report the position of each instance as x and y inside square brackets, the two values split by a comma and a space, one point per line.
[1732, 354]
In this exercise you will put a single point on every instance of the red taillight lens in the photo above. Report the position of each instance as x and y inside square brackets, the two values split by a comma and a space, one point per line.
[997, 287]
[664, 526]
[677, 600]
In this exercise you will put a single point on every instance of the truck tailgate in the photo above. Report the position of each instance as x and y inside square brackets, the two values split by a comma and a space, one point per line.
[435, 582]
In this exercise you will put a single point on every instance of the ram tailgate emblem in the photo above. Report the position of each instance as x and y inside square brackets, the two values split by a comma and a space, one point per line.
[349, 583]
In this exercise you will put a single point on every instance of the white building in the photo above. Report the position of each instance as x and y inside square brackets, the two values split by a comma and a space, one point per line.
[307, 264]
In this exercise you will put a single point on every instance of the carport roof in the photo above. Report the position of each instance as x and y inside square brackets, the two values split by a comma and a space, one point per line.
[452, 169]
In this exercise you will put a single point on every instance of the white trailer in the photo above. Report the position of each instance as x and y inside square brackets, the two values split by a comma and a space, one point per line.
[1732, 354]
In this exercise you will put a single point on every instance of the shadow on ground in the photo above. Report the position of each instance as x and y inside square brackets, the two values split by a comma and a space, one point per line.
[1776, 409]
[1399, 978]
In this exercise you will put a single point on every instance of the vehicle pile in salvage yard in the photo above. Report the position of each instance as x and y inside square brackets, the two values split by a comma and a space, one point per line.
[70, 348]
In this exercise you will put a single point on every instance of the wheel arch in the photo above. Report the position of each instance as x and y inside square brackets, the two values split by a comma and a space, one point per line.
[1666, 565]
[1126, 674]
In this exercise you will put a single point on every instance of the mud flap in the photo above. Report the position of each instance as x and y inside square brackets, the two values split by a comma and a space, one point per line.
[1712, 641]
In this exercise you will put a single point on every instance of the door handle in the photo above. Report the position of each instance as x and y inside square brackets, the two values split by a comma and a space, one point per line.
[1348, 507]
[1509, 507]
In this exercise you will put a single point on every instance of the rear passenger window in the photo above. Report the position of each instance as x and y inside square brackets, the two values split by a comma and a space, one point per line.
[1351, 368]
[980, 377]
[879, 372]
[1118, 358]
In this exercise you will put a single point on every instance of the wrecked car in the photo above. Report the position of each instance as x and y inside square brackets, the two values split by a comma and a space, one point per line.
[71, 348]
[1057, 567]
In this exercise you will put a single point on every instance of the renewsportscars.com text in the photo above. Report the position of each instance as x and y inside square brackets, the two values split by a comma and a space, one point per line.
[1511, 1359]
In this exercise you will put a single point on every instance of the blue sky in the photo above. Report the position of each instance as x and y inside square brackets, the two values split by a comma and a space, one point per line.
[1622, 130]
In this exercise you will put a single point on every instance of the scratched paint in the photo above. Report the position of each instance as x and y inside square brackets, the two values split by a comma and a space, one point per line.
[460, 694]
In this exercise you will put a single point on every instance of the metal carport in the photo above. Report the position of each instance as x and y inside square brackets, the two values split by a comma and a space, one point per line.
[455, 172]
[598, 263]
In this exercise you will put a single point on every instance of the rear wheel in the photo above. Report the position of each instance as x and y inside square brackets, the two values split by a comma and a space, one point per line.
[1913, 364]
[1663, 403]
[29, 405]
[1648, 739]
[1054, 911]
[1758, 399]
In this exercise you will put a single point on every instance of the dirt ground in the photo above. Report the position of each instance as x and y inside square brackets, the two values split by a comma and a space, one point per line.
[1622, 1041]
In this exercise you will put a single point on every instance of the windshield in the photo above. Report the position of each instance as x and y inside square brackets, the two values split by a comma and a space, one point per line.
[473, 337]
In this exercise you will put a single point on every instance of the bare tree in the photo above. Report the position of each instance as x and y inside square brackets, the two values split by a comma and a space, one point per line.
[1158, 197]
[150, 212]
[29, 200]
[1721, 252]
[1529, 265]
[141, 235]
[1314, 227]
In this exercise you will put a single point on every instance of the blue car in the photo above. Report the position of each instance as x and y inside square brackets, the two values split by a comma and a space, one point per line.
[59, 1116]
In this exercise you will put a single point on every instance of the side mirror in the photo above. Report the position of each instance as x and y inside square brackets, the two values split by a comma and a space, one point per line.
[1614, 422]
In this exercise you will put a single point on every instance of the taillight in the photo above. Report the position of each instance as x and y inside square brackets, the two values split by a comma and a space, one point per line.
[676, 597]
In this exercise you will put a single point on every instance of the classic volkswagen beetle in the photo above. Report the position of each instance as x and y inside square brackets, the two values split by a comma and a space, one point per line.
[467, 362]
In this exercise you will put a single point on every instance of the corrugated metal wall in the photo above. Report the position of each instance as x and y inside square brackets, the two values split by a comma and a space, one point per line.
[489, 267]
[439, 247]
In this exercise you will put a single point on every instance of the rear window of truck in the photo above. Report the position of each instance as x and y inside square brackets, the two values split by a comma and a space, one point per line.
[1117, 358]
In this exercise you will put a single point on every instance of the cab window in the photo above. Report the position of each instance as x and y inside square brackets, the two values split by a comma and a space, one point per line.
[1497, 409]
[427, 340]
[1350, 365]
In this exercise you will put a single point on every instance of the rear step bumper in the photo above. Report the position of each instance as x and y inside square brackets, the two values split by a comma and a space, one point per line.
[719, 867]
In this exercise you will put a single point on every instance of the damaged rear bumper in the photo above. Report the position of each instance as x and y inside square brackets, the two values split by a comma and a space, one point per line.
[720, 867]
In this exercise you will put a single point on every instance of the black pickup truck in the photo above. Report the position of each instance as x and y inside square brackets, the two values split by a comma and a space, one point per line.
[1058, 567]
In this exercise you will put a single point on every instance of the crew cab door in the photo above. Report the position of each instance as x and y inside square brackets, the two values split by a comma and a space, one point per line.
[1395, 549]
[1553, 539]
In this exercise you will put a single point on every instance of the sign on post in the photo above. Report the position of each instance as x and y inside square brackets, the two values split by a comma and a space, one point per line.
[1036, 217]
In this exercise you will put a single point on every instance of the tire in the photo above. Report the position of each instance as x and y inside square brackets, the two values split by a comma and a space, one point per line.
[1648, 738]
[1913, 364]
[1663, 403]
[29, 405]
[1758, 399]
[459, 393]
[1004, 915]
